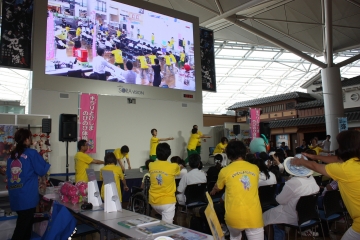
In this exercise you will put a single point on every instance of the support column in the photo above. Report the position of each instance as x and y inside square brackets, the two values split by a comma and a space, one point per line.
[333, 102]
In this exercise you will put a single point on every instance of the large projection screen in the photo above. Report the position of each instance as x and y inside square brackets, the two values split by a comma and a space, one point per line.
[61, 63]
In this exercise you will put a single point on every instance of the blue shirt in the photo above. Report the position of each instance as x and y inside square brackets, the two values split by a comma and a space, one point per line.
[22, 174]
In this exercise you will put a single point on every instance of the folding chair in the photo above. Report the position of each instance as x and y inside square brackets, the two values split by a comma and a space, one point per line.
[307, 213]
[216, 198]
[195, 195]
[333, 208]
[267, 197]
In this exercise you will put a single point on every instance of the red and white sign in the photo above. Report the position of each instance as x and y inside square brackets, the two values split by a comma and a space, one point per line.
[88, 119]
[255, 123]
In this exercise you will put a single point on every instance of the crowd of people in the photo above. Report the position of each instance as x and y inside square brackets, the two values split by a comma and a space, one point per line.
[240, 208]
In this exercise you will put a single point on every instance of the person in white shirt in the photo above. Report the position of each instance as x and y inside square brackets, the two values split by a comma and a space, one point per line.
[99, 64]
[301, 184]
[194, 176]
[266, 177]
[326, 144]
[178, 160]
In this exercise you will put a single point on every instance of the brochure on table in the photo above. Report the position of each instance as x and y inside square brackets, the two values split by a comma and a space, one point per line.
[138, 222]
[188, 235]
[93, 189]
[111, 196]
[159, 229]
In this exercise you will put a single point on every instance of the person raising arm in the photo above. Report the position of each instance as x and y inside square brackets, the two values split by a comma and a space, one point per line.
[154, 141]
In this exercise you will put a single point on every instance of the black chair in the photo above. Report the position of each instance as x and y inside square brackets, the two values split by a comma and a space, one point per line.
[82, 230]
[267, 197]
[215, 198]
[75, 73]
[333, 208]
[195, 195]
[307, 213]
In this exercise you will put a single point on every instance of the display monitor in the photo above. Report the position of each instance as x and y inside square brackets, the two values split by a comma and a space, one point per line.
[109, 41]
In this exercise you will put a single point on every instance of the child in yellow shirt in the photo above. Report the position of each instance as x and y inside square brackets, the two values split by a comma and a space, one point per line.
[110, 165]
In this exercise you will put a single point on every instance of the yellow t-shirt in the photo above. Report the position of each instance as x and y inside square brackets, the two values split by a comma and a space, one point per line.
[242, 204]
[348, 178]
[172, 57]
[167, 60]
[82, 162]
[200, 134]
[118, 175]
[193, 141]
[118, 55]
[152, 37]
[219, 148]
[184, 43]
[78, 31]
[118, 33]
[154, 141]
[119, 155]
[172, 42]
[143, 62]
[162, 182]
[316, 149]
[67, 29]
[182, 57]
[152, 59]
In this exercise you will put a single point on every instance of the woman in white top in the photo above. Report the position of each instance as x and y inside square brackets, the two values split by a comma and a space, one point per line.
[178, 160]
[266, 177]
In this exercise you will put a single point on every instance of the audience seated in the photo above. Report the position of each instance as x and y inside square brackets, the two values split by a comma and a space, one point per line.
[194, 176]
[147, 162]
[266, 177]
[182, 165]
[213, 171]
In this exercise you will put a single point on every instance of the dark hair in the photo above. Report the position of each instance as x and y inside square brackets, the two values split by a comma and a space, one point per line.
[289, 153]
[194, 130]
[263, 156]
[280, 154]
[282, 142]
[250, 157]
[81, 143]
[175, 159]
[218, 157]
[129, 65]
[118, 45]
[20, 137]
[349, 144]
[223, 139]
[194, 160]
[124, 149]
[110, 158]
[152, 131]
[201, 165]
[156, 61]
[147, 162]
[235, 150]
[182, 162]
[262, 167]
[299, 150]
[328, 136]
[194, 126]
[310, 151]
[108, 38]
[100, 51]
[163, 151]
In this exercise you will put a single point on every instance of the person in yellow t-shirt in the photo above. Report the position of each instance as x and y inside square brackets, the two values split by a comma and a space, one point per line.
[152, 58]
[82, 161]
[154, 141]
[220, 148]
[314, 146]
[184, 43]
[198, 145]
[182, 59]
[118, 33]
[343, 168]
[172, 59]
[117, 53]
[193, 141]
[144, 66]
[168, 64]
[172, 43]
[110, 165]
[242, 204]
[152, 39]
[120, 154]
[78, 32]
[162, 183]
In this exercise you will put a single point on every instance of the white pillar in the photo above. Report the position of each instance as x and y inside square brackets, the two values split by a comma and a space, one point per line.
[333, 102]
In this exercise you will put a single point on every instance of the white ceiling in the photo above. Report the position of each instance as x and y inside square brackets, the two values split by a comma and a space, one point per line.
[248, 66]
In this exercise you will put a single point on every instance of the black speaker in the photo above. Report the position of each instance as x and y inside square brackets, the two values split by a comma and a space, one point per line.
[46, 125]
[236, 129]
[68, 127]
[265, 129]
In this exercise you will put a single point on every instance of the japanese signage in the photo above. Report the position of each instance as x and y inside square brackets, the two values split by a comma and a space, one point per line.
[255, 123]
[16, 26]
[343, 124]
[282, 138]
[207, 60]
[88, 119]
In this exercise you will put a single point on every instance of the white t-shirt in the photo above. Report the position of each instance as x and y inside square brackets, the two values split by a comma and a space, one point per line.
[192, 177]
[182, 173]
[265, 182]
[326, 145]
[99, 64]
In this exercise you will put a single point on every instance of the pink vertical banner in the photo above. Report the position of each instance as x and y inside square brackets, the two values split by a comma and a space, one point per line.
[255, 123]
[88, 119]
[50, 37]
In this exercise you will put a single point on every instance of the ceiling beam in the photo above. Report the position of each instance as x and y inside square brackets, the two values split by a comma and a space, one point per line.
[204, 7]
[218, 5]
[232, 12]
[276, 42]
[329, 32]
[348, 61]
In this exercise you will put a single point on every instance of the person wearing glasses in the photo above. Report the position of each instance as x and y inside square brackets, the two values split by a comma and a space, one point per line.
[82, 161]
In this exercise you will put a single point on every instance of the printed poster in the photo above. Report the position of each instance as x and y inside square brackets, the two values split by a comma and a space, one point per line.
[282, 138]
[207, 60]
[213, 221]
[88, 119]
[255, 123]
[16, 30]
[343, 124]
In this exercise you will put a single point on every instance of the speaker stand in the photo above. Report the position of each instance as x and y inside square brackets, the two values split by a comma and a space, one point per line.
[67, 160]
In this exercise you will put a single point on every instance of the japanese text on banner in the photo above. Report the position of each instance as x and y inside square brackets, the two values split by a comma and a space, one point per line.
[88, 119]
[255, 122]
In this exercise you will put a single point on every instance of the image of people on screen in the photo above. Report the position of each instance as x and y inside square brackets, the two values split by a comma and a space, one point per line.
[110, 41]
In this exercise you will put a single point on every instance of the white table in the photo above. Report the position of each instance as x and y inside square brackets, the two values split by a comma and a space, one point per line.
[101, 216]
